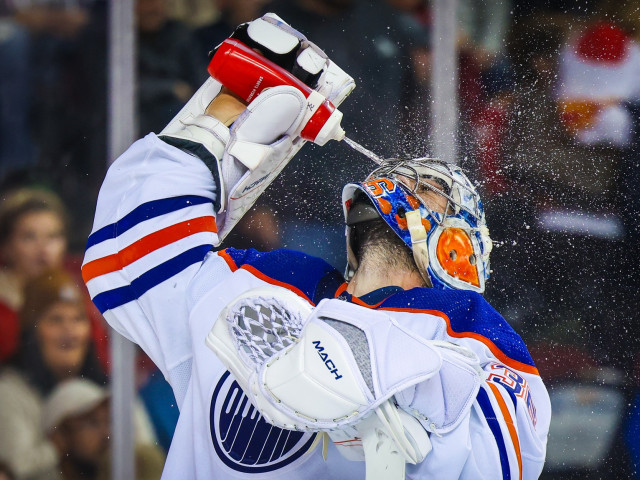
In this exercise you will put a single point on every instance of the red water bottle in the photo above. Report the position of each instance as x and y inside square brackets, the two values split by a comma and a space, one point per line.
[247, 73]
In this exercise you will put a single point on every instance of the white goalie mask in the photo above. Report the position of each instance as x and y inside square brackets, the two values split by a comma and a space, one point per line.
[434, 208]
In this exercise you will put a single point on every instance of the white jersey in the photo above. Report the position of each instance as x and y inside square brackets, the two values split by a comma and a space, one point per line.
[150, 269]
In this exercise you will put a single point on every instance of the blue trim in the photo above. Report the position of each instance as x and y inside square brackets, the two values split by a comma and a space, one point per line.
[377, 296]
[145, 282]
[468, 312]
[144, 212]
[313, 276]
[512, 395]
[494, 425]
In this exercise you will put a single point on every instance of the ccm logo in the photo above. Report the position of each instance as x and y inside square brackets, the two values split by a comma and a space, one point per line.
[327, 361]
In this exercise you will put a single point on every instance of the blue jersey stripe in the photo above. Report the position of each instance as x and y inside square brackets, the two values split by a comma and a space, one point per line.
[144, 212]
[512, 395]
[119, 296]
[494, 425]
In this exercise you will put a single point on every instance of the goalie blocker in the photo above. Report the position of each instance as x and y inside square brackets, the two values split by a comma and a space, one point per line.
[247, 157]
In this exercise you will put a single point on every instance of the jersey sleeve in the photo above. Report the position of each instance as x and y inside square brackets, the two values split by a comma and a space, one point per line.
[512, 412]
[502, 434]
[154, 225]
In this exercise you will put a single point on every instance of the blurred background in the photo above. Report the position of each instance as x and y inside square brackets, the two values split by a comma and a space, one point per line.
[548, 126]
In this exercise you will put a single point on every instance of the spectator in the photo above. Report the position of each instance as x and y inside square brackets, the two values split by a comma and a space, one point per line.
[194, 13]
[57, 346]
[38, 94]
[33, 225]
[31, 33]
[6, 473]
[484, 26]
[169, 68]
[33, 238]
[598, 72]
[563, 165]
[76, 419]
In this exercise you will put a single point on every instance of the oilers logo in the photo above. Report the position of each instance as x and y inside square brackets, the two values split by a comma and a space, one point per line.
[243, 440]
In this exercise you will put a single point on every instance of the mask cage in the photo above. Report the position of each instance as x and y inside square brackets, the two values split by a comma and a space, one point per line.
[462, 210]
[455, 187]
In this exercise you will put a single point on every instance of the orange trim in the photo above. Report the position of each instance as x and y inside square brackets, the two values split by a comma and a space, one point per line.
[355, 439]
[523, 367]
[273, 281]
[227, 258]
[354, 442]
[340, 289]
[357, 301]
[510, 425]
[146, 245]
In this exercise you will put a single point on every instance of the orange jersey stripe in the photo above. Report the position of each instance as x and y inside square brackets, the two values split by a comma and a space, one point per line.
[510, 425]
[341, 289]
[523, 367]
[146, 245]
[227, 258]
[273, 281]
[257, 273]
[357, 301]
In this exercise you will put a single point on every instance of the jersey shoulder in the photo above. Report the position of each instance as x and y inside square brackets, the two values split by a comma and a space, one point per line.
[467, 314]
[311, 276]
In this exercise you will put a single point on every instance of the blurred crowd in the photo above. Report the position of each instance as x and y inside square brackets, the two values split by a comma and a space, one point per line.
[549, 129]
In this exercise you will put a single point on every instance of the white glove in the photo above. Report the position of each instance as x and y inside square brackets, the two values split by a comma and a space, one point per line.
[261, 142]
[290, 49]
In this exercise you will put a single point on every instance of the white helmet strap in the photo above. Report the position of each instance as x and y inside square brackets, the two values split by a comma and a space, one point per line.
[419, 243]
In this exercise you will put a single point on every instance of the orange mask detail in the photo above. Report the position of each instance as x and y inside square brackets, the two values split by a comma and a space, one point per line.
[454, 251]
[385, 206]
[379, 186]
[413, 201]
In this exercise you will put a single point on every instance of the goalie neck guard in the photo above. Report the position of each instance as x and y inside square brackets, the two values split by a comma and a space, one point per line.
[436, 211]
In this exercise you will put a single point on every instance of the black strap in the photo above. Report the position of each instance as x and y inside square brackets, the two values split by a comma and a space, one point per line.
[198, 150]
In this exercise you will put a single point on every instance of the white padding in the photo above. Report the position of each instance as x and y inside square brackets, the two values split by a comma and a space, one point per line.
[320, 382]
[384, 460]
[248, 153]
[270, 123]
[311, 61]
[391, 370]
[191, 124]
[444, 400]
[277, 111]
[272, 37]
[317, 379]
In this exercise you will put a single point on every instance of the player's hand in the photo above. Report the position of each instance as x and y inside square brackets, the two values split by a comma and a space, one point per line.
[226, 107]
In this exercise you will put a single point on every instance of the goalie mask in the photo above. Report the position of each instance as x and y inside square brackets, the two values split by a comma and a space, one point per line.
[436, 211]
